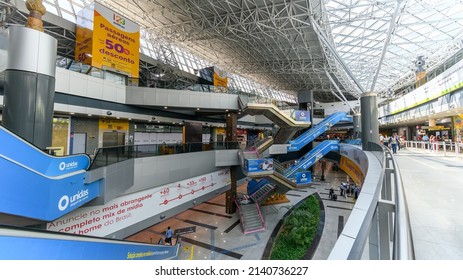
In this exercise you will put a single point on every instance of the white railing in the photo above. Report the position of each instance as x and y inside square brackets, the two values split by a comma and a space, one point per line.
[446, 147]
[378, 227]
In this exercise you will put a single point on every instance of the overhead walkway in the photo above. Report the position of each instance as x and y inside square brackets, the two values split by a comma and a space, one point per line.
[32, 244]
[283, 117]
[40, 186]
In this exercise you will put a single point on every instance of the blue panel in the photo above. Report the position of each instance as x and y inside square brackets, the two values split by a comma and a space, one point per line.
[39, 186]
[24, 248]
[303, 178]
[21, 151]
[302, 116]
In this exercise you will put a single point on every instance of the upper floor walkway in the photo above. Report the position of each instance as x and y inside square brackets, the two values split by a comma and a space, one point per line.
[434, 189]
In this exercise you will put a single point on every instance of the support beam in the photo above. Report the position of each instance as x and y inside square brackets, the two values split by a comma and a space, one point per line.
[386, 43]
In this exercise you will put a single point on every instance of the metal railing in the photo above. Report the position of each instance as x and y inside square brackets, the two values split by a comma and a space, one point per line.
[282, 106]
[110, 155]
[439, 146]
[379, 224]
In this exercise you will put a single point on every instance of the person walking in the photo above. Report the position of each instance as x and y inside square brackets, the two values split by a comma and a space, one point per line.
[169, 234]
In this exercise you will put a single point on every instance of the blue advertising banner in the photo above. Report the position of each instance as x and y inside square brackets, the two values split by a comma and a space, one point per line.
[23, 152]
[303, 178]
[29, 194]
[25, 248]
[302, 116]
[258, 165]
[38, 185]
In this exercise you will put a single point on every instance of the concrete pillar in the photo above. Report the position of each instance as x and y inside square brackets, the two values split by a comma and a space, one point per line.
[306, 102]
[370, 124]
[231, 121]
[30, 85]
[357, 126]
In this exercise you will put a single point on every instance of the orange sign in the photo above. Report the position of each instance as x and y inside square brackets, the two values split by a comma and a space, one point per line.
[107, 40]
[113, 124]
[352, 170]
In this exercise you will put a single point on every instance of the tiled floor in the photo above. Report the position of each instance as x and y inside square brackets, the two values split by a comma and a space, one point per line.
[218, 236]
[434, 191]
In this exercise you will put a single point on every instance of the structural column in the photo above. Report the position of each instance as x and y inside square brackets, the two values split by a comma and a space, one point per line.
[357, 126]
[305, 100]
[30, 81]
[370, 124]
[231, 120]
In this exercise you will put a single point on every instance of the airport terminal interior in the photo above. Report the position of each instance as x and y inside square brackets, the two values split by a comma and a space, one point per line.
[231, 130]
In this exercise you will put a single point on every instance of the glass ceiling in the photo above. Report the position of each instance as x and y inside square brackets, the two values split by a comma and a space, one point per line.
[376, 41]
[432, 28]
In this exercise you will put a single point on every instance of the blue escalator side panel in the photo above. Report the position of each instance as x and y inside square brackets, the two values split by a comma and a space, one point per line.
[313, 156]
[303, 178]
[29, 194]
[25, 248]
[23, 152]
[253, 185]
[311, 134]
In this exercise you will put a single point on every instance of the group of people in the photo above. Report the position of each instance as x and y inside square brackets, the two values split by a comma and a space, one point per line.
[432, 141]
[393, 141]
[345, 189]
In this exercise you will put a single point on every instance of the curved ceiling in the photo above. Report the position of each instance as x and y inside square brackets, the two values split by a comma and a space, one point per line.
[337, 48]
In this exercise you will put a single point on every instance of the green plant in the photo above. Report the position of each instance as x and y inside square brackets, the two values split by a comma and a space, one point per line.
[298, 231]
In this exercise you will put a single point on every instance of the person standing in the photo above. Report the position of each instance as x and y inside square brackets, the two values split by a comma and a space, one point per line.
[169, 234]
[394, 141]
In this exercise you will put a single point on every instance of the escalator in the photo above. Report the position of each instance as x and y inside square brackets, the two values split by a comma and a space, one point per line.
[319, 129]
[312, 157]
[38, 186]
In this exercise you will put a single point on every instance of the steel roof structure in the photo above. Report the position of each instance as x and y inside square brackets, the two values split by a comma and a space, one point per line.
[337, 48]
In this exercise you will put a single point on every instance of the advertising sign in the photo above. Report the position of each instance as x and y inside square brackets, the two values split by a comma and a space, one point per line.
[113, 124]
[107, 40]
[52, 247]
[258, 165]
[29, 194]
[450, 80]
[133, 208]
[302, 116]
[352, 170]
[303, 178]
[220, 78]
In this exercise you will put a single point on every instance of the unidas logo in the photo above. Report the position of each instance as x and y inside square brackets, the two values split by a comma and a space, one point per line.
[66, 201]
[67, 166]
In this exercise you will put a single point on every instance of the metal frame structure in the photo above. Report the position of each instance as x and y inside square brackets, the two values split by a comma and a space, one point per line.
[275, 48]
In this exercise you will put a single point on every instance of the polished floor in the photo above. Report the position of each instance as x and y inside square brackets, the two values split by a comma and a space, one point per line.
[212, 234]
[434, 190]
[433, 185]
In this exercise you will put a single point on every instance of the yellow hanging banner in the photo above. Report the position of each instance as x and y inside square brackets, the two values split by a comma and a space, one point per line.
[107, 40]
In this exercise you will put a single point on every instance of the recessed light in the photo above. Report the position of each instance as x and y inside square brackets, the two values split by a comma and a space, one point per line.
[72, 113]
[165, 107]
[89, 115]
[226, 110]
[197, 109]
